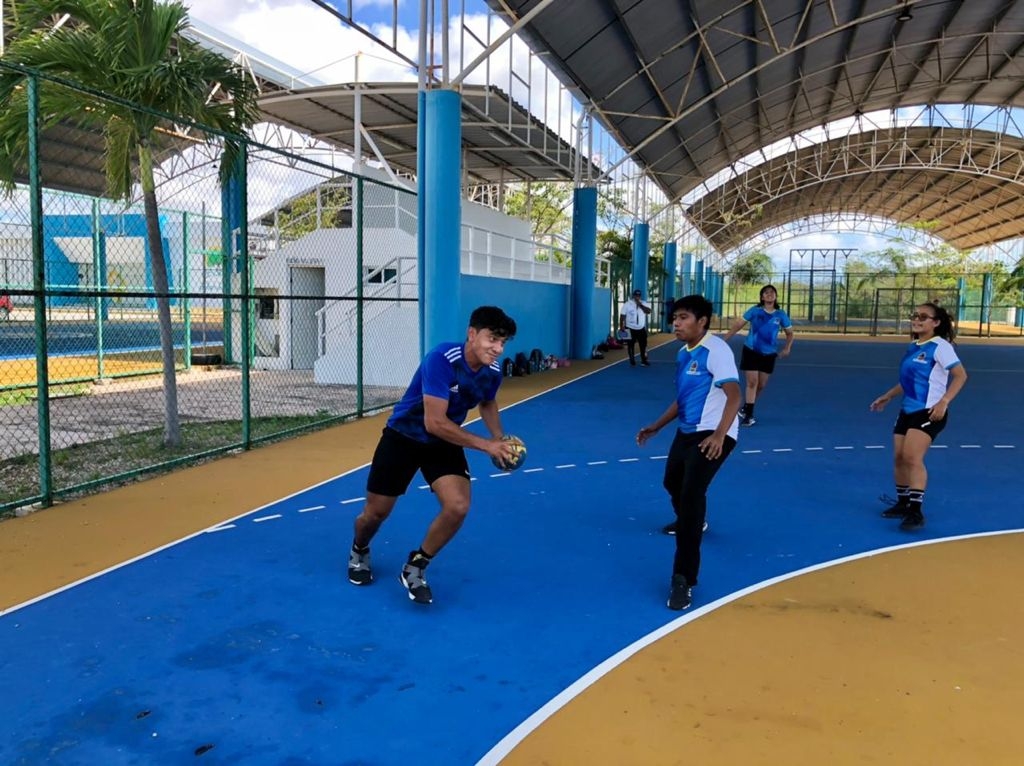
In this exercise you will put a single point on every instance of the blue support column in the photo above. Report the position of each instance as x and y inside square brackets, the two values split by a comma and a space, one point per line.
[584, 256]
[961, 299]
[686, 286]
[442, 224]
[698, 277]
[1019, 316]
[421, 215]
[670, 281]
[641, 244]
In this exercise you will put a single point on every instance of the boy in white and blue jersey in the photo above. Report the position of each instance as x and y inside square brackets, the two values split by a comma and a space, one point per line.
[757, 360]
[931, 375]
[705, 408]
[425, 434]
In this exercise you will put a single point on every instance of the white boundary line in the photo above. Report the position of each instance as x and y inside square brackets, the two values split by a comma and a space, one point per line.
[563, 698]
[221, 524]
[213, 527]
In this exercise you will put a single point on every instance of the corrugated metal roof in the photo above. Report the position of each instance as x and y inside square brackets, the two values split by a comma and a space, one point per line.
[691, 87]
[501, 140]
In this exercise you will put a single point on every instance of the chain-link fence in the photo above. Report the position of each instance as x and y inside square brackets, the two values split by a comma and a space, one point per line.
[880, 303]
[289, 290]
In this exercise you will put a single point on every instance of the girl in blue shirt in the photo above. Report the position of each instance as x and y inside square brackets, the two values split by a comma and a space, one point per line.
[760, 350]
[931, 375]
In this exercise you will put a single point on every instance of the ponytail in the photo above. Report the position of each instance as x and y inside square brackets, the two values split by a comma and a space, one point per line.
[945, 327]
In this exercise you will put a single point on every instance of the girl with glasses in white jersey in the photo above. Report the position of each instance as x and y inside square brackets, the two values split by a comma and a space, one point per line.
[931, 375]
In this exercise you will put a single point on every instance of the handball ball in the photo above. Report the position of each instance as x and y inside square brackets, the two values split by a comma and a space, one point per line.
[520, 454]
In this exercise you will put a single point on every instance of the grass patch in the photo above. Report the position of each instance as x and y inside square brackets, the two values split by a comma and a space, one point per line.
[96, 461]
[14, 397]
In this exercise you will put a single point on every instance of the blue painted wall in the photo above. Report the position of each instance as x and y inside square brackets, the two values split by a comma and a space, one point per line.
[601, 318]
[541, 311]
[61, 272]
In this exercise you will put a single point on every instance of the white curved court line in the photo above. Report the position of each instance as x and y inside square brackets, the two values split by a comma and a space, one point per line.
[509, 742]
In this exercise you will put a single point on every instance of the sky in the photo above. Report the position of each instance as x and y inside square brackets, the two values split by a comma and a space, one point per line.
[315, 44]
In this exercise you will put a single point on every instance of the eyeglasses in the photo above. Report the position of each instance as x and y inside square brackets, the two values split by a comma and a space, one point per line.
[921, 317]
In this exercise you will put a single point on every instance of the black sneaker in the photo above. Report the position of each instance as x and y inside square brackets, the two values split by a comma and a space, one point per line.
[679, 597]
[670, 529]
[645, 363]
[359, 571]
[896, 511]
[412, 577]
[913, 521]
[748, 420]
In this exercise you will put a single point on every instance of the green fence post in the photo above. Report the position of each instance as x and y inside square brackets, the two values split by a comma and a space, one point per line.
[846, 305]
[38, 298]
[99, 280]
[228, 189]
[359, 296]
[245, 315]
[186, 308]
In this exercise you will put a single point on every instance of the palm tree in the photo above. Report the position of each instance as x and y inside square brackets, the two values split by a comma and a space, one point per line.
[135, 51]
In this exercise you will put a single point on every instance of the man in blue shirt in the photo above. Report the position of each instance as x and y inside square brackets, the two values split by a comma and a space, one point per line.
[425, 433]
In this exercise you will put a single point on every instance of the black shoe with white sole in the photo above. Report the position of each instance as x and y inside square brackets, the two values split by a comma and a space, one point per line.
[679, 596]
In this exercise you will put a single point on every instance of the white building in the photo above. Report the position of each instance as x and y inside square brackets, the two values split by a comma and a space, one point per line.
[317, 326]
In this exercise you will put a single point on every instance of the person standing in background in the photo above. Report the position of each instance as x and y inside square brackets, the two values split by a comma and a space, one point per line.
[760, 350]
[633, 317]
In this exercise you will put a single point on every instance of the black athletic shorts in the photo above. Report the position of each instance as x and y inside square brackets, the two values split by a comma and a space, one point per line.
[919, 421]
[754, 362]
[397, 458]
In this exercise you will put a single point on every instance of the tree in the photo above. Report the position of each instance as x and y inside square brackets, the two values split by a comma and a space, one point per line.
[751, 268]
[545, 205]
[617, 248]
[326, 206]
[755, 267]
[135, 51]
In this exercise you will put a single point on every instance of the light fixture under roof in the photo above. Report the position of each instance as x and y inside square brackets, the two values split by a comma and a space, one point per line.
[905, 14]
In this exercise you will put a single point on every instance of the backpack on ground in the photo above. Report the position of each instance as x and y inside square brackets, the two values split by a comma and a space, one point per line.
[521, 365]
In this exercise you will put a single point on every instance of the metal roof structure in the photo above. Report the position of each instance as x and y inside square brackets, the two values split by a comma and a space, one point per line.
[502, 141]
[964, 186]
[690, 88]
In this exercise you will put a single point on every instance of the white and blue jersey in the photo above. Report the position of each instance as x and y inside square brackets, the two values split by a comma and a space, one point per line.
[924, 373]
[444, 374]
[764, 328]
[701, 371]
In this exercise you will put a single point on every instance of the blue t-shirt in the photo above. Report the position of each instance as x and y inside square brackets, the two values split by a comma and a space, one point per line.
[445, 374]
[924, 372]
[701, 371]
[764, 328]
